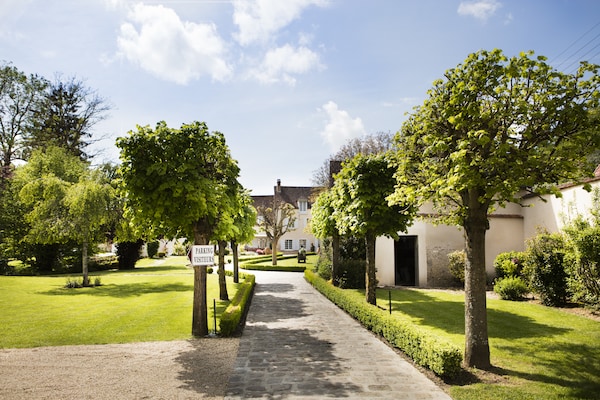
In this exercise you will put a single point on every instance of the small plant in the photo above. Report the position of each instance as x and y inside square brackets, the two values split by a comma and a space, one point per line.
[456, 264]
[73, 283]
[152, 249]
[510, 288]
[77, 283]
[509, 264]
[161, 254]
[209, 270]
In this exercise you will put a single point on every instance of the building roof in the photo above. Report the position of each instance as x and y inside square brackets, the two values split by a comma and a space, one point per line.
[288, 194]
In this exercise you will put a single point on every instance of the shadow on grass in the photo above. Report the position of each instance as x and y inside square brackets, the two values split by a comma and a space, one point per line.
[448, 316]
[572, 366]
[153, 270]
[123, 290]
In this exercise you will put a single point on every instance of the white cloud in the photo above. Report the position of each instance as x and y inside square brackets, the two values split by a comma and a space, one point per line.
[280, 63]
[172, 49]
[481, 10]
[340, 127]
[257, 20]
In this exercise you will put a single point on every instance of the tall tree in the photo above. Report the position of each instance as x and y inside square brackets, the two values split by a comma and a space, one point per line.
[375, 143]
[66, 116]
[276, 219]
[359, 201]
[491, 128]
[323, 225]
[87, 203]
[244, 221]
[66, 202]
[176, 178]
[19, 98]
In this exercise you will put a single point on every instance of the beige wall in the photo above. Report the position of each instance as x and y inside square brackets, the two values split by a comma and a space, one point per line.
[436, 241]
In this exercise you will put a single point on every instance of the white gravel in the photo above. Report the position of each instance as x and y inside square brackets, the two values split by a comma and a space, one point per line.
[187, 369]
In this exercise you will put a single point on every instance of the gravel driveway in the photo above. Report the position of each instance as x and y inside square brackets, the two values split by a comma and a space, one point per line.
[187, 369]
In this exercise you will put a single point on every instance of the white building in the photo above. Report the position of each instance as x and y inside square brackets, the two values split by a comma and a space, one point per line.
[420, 257]
[300, 197]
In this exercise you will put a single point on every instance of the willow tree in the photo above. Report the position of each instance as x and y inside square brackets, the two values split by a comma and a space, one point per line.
[360, 207]
[178, 180]
[490, 129]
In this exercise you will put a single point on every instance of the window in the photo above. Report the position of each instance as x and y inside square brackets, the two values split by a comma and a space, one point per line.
[303, 243]
[302, 205]
[288, 244]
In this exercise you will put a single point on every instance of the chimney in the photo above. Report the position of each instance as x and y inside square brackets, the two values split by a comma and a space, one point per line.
[278, 185]
[335, 167]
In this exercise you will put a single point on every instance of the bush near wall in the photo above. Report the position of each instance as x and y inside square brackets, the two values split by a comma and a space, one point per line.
[233, 314]
[425, 348]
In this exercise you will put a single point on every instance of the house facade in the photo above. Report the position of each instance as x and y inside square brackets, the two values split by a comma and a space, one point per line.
[420, 256]
[300, 197]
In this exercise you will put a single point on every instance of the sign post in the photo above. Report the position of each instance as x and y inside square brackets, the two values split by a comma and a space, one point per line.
[202, 255]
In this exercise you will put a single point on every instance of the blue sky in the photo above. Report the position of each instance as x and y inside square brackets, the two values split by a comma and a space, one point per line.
[286, 81]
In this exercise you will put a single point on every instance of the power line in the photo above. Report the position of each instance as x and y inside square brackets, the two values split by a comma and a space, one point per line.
[575, 57]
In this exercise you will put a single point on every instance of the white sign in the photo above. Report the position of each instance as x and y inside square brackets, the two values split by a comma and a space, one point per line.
[202, 255]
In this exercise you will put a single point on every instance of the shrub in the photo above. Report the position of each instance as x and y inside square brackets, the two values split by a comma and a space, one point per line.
[510, 288]
[233, 314]
[352, 274]
[425, 348]
[128, 253]
[179, 249]
[456, 264]
[152, 248]
[324, 268]
[584, 265]
[544, 268]
[509, 264]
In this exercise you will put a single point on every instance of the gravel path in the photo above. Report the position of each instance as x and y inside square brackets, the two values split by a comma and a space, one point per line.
[187, 369]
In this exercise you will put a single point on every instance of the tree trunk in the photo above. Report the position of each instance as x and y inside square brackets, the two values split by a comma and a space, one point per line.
[335, 258]
[371, 280]
[477, 350]
[275, 244]
[222, 281]
[84, 263]
[236, 262]
[199, 308]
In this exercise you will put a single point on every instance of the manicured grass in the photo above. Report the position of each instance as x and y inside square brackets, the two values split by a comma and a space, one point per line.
[283, 264]
[537, 352]
[151, 302]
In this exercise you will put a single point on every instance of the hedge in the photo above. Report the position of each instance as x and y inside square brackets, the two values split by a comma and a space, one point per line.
[425, 348]
[252, 264]
[231, 317]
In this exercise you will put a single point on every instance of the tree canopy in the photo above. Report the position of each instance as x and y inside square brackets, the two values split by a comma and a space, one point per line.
[276, 219]
[491, 128]
[180, 180]
[360, 207]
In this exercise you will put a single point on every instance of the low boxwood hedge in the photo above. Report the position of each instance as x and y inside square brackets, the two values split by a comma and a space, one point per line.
[231, 317]
[425, 348]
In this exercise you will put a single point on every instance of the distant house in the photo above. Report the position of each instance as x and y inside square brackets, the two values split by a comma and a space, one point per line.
[300, 197]
[420, 257]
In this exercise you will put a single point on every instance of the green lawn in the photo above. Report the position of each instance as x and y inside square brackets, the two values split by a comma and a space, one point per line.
[538, 352]
[151, 302]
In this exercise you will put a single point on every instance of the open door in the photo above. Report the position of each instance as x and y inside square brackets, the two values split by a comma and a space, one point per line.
[406, 262]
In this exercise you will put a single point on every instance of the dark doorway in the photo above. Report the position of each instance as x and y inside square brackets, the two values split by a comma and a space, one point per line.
[406, 260]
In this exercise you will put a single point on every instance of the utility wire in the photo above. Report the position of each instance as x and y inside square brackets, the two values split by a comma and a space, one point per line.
[574, 58]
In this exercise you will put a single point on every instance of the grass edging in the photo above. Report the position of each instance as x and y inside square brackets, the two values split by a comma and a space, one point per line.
[425, 348]
[231, 317]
